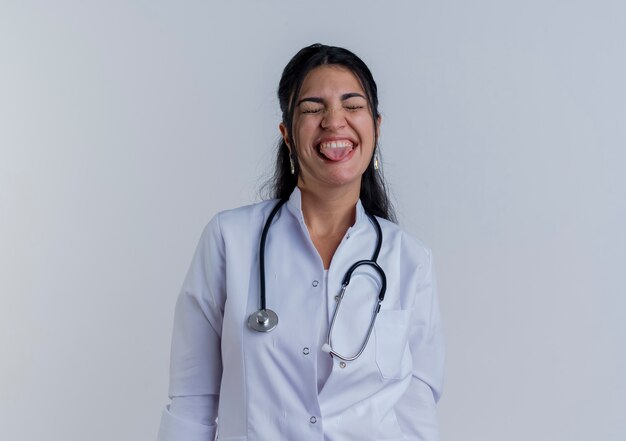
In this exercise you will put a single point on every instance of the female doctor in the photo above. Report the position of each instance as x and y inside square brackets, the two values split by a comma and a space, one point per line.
[311, 316]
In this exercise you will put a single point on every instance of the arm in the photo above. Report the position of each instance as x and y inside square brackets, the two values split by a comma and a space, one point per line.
[196, 363]
[417, 411]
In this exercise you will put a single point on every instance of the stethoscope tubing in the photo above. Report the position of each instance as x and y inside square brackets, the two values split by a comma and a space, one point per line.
[266, 228]
[265, 320]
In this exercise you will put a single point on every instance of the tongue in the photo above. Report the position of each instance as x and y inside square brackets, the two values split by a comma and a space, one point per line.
[337, 153]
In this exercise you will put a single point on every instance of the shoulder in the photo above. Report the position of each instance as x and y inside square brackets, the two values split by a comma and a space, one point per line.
[414, 253]
[239, 220]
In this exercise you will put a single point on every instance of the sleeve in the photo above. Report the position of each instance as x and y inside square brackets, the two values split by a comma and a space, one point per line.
[195, 362]
[417, 411]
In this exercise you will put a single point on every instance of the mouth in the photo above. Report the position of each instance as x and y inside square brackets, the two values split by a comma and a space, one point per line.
[335, 150]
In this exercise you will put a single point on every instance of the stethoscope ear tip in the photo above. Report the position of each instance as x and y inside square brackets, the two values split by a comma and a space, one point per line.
[326, 348]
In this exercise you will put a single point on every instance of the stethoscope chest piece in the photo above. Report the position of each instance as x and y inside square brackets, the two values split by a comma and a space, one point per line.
[263, 320]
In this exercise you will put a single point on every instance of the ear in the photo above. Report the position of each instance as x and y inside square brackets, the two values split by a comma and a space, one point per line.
[379, 120]
[284, 134]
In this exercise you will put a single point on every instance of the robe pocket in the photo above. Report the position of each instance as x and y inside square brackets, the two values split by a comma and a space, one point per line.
[392, 352]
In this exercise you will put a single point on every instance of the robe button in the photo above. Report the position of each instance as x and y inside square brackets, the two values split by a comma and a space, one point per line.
[313, 420]
[315, 283]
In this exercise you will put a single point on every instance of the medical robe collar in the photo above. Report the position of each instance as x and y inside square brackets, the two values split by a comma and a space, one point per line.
[294, 204]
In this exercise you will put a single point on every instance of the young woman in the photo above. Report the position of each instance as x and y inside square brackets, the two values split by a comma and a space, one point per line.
[311, 316]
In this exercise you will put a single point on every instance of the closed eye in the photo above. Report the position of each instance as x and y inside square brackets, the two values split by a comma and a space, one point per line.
[312, 111]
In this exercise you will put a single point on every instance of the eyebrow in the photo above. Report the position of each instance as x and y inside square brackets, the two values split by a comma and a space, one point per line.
[345, 96]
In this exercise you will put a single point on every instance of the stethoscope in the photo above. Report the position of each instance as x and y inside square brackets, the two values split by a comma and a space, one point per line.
[265, 320]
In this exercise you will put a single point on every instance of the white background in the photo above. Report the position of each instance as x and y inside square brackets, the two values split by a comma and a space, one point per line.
[125, 125]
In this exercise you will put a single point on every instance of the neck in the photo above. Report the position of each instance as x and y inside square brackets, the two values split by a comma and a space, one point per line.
[331, 212]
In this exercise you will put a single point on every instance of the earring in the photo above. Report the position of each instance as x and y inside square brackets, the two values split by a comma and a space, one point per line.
[376, 162]
[292, 164]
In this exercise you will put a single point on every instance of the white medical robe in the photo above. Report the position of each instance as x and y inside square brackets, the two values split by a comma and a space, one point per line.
[268, 384]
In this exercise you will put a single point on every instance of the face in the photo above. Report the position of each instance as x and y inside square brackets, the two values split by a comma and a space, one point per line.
[333, 130]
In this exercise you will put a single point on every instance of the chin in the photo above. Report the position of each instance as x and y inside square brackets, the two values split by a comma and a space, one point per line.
[343, 180]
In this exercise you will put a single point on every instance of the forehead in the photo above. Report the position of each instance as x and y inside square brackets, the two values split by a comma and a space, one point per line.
[330, 80]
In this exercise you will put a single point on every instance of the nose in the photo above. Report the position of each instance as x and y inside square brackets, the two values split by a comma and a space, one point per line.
[334, 118]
